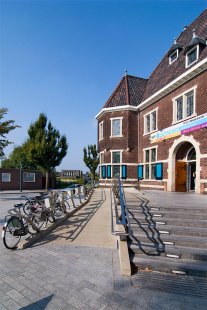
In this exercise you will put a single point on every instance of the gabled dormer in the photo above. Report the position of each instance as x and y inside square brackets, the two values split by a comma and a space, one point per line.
[193, 49]
[174, 52]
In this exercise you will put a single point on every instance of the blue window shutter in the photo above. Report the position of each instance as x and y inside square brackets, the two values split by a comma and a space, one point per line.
[159, 171]
[124, 172]
[109, 172]
[103, 172]
[140, 172]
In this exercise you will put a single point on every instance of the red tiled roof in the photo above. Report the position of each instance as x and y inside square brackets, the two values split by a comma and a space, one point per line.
[129, 91]
[132, 90]
[164, 72]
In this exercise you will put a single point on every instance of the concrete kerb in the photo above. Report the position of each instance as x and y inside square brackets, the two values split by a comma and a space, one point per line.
[37, 237]
[123, 255]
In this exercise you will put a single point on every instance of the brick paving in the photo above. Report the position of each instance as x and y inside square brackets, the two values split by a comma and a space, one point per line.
[67, 276]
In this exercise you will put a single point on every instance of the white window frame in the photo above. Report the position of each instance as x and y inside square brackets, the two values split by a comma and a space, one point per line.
[100, 134]
[150, 163]
[184, 98]
[116, 164]
[31, 173]
[8, 174]
[113, 151]
[101, 162]
[170, 57]
[116, 118]
[190, 51]
[145, 122]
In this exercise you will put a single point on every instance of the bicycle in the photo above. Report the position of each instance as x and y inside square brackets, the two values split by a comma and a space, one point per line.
[40, 206]
[16, 226]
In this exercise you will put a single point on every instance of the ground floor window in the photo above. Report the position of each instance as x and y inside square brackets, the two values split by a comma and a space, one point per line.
[150, 157]
[29, 177]
[6, 177]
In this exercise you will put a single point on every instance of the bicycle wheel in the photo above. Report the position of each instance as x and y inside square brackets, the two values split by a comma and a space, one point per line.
[12, 232]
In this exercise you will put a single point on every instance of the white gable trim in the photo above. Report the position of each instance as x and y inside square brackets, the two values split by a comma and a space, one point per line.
[183, 78]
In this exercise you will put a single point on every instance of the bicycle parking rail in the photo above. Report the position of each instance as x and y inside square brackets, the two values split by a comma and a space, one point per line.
[119, 212]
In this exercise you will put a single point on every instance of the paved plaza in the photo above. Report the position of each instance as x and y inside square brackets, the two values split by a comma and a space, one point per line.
[74, 269]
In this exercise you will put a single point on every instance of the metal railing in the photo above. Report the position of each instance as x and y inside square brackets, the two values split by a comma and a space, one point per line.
[120, 224]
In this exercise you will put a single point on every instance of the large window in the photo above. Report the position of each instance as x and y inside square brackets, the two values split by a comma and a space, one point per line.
[101, 131]
[150, 158]
[150, 122]
[29, 177]
[192, 56]
[184, 106]
[6, 177]
[116, 127]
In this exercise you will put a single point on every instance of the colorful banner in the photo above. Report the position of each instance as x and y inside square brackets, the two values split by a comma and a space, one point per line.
[193, 124]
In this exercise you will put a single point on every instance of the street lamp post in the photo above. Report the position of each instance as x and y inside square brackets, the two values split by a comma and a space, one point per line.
[20, 176]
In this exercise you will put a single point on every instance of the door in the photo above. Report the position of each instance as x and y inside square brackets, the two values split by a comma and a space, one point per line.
[181, 176]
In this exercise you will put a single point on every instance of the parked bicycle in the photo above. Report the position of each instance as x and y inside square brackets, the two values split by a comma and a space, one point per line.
[18, 225]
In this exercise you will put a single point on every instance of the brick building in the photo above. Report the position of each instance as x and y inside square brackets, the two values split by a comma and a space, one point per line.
[156, 128]
[24, 179]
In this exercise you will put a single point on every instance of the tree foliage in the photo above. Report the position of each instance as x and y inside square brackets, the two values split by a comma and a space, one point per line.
[91, 159]
[5, 128]
[46, 146]
[19, 156]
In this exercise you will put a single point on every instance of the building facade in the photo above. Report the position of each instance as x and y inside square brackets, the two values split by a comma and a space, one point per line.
[156, 128]
[23, 179]
[71, 174]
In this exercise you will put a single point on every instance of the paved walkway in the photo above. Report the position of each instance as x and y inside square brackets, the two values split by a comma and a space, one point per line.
[67, 275]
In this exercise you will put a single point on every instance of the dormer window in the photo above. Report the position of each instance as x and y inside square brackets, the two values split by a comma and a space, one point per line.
[192, 56]
[173, 57]
[174, 52]
[193, 49]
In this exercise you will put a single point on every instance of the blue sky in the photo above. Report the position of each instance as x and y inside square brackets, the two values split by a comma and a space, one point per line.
[64, 58]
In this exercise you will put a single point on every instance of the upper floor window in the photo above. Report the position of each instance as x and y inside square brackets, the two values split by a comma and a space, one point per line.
[192, 56]
[116, 127]
[29, 177]
[6, 177]
[173, 56]
[101, 131]
[150, 122]
[184, 106]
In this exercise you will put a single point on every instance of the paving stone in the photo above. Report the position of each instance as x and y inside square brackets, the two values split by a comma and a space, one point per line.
[15, 295]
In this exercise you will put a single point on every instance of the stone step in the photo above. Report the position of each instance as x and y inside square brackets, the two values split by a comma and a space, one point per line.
[171, 221]
[178, 215]
[163, 250]
[173, 230]
[171, 265]
[168, 208]
[187, 241]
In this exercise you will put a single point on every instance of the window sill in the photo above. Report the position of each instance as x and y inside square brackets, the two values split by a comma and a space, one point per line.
[149, 133]
[116, 136]
[184, 119]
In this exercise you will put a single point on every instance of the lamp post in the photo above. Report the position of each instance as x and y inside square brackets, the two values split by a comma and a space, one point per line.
[20, 176]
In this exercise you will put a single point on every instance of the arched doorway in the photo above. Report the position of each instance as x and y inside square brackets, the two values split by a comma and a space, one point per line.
[184, 165]
[185, 172]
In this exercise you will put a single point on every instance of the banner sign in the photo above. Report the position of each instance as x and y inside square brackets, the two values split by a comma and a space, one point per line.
[193, 124]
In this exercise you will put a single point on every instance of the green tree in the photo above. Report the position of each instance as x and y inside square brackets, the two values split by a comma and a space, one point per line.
[5, 128]
[91, 159]
[47, 147]
[20, 155]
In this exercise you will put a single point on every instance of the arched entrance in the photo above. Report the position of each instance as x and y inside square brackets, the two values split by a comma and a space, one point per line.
[184, 165]
[185, 171]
